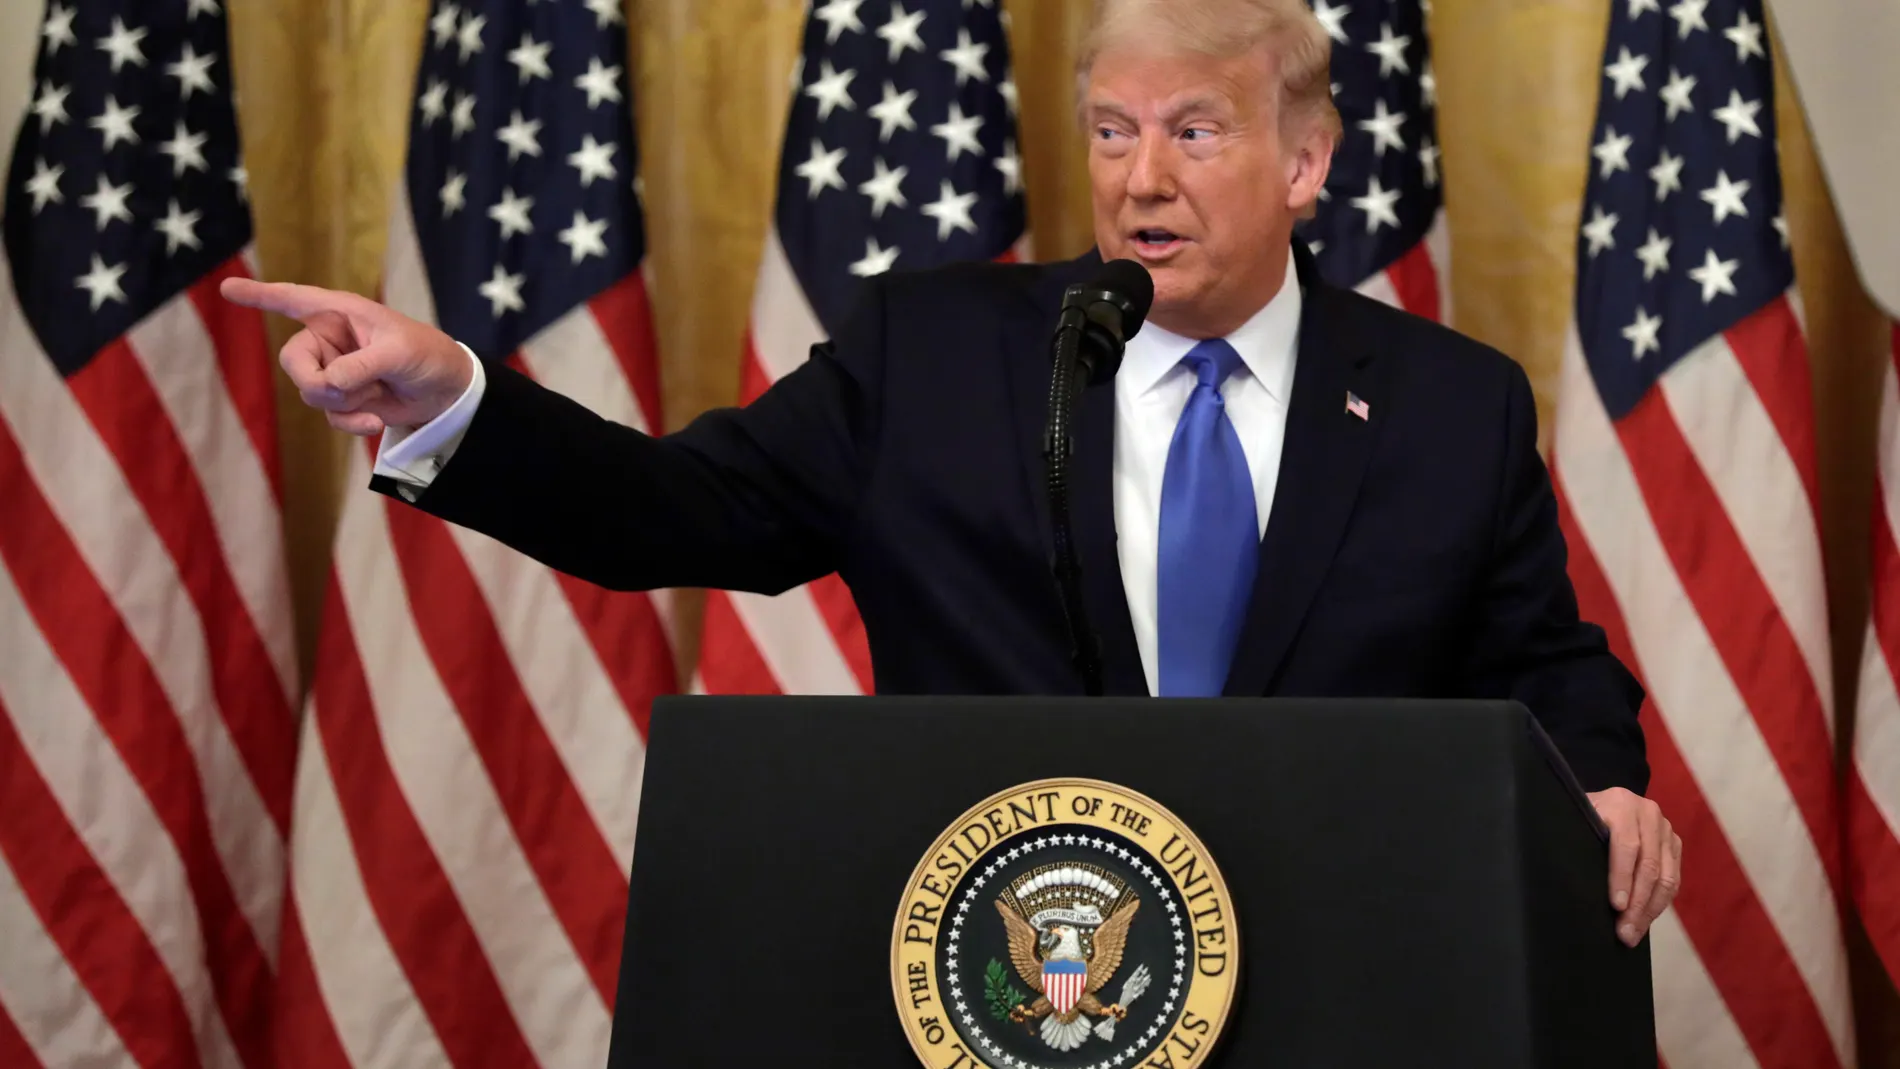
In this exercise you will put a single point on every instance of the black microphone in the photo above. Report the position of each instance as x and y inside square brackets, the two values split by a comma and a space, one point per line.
[1107, 311]
[1098, 317]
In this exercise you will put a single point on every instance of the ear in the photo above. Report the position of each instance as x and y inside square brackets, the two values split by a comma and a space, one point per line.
[1309, 160]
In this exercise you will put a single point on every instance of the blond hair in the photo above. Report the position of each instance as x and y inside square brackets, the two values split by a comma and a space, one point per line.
[1222, 29]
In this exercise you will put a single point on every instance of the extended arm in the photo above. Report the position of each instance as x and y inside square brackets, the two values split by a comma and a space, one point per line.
[761, 498]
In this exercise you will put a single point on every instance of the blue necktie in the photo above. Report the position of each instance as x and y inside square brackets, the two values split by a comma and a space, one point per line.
[1210, 537]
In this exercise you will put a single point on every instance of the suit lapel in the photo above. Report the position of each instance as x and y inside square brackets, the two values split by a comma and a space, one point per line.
[1025, 337]
[1322, 462]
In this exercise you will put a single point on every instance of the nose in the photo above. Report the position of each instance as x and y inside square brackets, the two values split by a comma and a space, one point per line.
[1152, 175]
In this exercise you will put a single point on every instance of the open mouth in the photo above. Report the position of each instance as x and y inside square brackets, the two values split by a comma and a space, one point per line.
[1155, 242]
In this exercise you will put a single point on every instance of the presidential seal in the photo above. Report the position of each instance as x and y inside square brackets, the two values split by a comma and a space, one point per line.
[1065, 923]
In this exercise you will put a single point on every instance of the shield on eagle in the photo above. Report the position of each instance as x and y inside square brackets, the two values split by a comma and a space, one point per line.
[1064, 982]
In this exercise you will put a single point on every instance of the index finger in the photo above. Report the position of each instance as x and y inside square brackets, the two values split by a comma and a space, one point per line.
[1626, 844]
[288, 298]
[1649, 864]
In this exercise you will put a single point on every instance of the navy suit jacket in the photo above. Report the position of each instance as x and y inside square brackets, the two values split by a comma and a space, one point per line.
[1416, 553]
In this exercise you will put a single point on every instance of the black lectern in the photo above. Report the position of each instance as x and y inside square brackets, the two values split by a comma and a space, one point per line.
[1415, 883]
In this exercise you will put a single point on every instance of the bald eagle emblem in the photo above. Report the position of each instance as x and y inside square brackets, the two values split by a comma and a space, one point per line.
[1067, 926]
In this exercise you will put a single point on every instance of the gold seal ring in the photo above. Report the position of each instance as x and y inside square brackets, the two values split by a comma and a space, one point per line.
[1064, 923]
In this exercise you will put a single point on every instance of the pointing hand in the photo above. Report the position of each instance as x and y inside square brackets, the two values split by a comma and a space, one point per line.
[363, 365]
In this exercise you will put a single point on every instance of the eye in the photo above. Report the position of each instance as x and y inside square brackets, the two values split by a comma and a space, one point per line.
[1197, 133]
[1104, 133]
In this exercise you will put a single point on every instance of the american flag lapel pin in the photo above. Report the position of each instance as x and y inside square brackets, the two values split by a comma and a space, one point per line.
[1358, 407]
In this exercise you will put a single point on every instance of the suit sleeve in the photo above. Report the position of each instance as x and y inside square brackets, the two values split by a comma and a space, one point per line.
[1529, 642]
[761, 498]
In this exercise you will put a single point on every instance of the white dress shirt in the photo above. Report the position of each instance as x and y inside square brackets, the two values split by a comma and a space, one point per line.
[1151, 389]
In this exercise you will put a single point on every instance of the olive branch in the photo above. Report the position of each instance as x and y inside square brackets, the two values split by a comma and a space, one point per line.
[999, 993]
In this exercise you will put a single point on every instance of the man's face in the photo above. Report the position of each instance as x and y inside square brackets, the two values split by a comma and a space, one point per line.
[1193, 180]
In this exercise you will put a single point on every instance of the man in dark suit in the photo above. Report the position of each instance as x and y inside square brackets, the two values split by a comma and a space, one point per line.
[1287, 489]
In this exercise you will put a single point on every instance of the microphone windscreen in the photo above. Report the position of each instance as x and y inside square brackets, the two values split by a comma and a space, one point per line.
[1132, 282]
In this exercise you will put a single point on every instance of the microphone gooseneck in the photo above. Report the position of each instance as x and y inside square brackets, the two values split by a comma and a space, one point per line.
[1058, 450]
[1098, 317]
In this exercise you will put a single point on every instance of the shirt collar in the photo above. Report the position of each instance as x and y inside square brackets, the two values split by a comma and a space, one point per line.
[1267, 344]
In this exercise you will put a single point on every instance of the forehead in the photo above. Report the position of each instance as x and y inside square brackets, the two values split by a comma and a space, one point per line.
[1134, 77]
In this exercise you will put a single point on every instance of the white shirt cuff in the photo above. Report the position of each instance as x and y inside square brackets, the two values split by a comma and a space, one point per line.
[413, 456]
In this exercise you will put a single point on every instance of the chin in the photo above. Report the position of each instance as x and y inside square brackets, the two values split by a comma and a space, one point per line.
[1173, 294]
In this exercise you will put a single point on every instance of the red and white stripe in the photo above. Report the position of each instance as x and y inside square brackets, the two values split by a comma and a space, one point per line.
[1420, 280]
[470, 777]
[1064, 989]
[1873, 778]
[147, 682]
[807, 640]
[1693, 540]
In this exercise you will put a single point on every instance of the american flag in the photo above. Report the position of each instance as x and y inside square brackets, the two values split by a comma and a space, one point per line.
[1873, 779]
[147, 668]
[900, 152]
[1685, 460]
[1380, 225]
[470, 771]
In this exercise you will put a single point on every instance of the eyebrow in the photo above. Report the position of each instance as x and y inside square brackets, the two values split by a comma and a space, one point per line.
[1189, 106]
